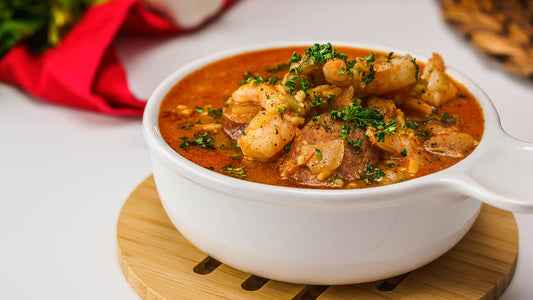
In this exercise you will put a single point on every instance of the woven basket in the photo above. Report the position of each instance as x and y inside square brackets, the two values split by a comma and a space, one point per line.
[503, 29]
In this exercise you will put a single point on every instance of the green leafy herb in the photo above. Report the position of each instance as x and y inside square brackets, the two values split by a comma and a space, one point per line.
[186, 125]
[404, 152]
[411, 124]
[318, 153]
[461, 95]
[287, 147]
[370, 59]
[273, 79]
[445, 117]
[199, 110]
[214, 113]
[416, 67]
[335, 177]
[368, 78]
[235, 158]
[389, 57]
[315, 118]
[390, 165]
[279, 67]
[320, 53]
[239, 172]
[201, 140]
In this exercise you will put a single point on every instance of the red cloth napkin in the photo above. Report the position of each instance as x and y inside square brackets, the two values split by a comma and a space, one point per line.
[83, 70]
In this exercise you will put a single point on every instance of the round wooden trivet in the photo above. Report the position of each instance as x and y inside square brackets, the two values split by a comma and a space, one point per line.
[503, 29]
[159, 263]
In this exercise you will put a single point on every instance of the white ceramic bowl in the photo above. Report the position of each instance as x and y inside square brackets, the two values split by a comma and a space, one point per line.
[337, 236]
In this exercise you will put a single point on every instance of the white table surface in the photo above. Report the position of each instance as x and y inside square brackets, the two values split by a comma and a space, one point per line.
[65, 173]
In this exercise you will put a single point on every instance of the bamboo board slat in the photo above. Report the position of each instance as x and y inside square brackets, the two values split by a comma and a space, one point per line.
[159, 263]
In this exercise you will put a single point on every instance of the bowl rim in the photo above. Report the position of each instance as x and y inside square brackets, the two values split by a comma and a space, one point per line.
[372, 196]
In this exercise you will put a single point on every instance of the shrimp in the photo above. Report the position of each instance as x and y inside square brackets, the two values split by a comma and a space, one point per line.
[267, 133]
[448, 141]
[440, 87]
[403, 143]
[246, 101]
[390, 75]
[335, 72]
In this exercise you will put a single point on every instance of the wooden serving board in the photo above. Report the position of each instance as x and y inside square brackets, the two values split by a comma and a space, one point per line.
[159, 263]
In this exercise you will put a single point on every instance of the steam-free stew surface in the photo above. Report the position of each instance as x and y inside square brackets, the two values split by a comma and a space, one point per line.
[191, 122]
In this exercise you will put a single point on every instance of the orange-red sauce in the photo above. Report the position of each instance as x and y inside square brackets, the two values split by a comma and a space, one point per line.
[214, 83]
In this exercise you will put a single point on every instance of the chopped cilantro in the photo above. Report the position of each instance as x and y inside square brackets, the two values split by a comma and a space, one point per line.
[273, 79]
[279, 67]
[370, 59]
[411, 124]
[239, 172]
[368, 78]
[417, 68]
[335, 177]
[321, 53]
[201, 140]
[214, 113]
[445, 117]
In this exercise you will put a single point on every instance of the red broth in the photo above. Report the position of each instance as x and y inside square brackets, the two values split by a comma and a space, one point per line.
[198, 99]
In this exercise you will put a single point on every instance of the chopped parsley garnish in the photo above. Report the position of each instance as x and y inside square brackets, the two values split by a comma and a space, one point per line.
[256, 80]
[199, 110]
[287, 147]
[279, 68]
[295, 58]
[386, 129]
[273, 79]
[417, 68]
[335, 177]
[368, 78]
[370, 59]
[412, 124]
[201, 140]
[305, 85]
[214, 113]
[390, 165]
[389, 56]
[282, 110]
[461, 95]
[318, 153]
[315, 118]
[321, 53]
[290, 85]
[210, 168]
[445, 117]
[276, 127]
[186, 125]
[357, 143]
[404, 152]
[364, 118]
[239, 172]
[234, 158]
[377, 172]
[424, 134]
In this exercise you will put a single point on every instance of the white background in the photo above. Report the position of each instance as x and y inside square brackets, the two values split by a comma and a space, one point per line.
[65, 173]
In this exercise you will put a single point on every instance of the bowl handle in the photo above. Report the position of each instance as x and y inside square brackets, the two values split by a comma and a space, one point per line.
[502, 176]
